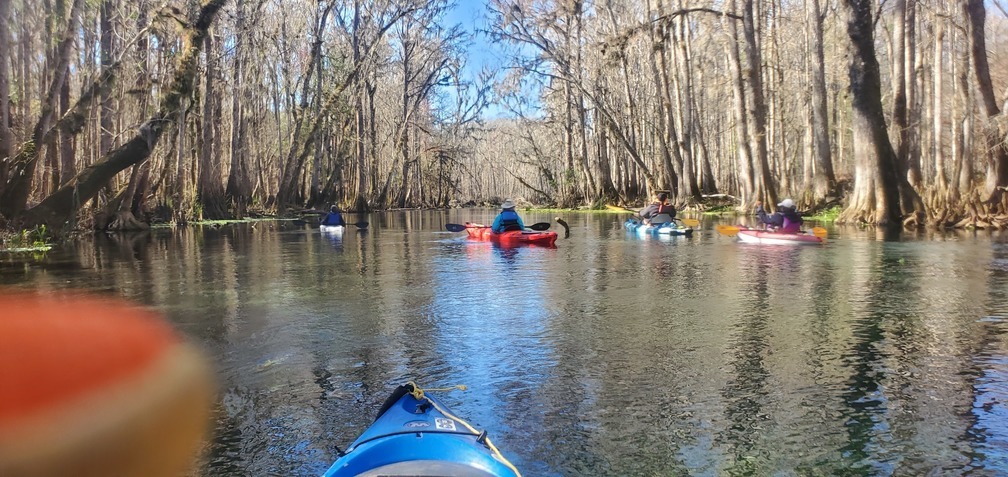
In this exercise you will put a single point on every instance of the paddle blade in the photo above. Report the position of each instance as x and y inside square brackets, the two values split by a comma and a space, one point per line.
[540, 226]
[455, 227]
[617, 208]
[819, 232]
[362, 225]
[727, 230]
[690, 222]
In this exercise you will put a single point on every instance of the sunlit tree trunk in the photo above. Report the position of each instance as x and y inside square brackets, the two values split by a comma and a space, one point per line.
[6, 135]
[239, 188]
[877, 177]
[667, 137]
[823, 181]
[360, 153]
[995, 138]
[210, 188]
[962, 126]
[747, 188]
[757, 112]
[941, 179]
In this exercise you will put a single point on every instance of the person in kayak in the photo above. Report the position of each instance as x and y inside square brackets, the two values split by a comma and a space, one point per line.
[659, 206]
[333, 218]
[785, 220]
[507, 219]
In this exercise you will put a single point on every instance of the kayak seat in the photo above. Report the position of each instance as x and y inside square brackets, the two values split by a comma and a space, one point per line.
[511, 227]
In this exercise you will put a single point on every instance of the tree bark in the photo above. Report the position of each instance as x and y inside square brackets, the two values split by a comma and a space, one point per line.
[996, 138]
[211, 179]
[823, 179]
[758, 112]
[6, 135]
[239, 189]
[877, 180]
[15, 190]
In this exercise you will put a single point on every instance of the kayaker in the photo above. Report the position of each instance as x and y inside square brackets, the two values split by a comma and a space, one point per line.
[785, 220]
[659, 206]
[334, 217]
[507, 219]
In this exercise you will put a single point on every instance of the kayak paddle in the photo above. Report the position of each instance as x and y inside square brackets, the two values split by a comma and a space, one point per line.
[686, 222]
[540, 226]
[361, 224]
[728, 230]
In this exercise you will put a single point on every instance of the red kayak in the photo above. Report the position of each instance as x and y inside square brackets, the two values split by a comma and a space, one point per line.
[511, 237]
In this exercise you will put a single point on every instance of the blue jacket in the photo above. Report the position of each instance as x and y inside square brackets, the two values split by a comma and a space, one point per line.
[508, 219]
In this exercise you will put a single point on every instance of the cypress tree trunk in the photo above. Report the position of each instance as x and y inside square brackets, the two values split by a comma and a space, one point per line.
[996, 138]
[877, 178]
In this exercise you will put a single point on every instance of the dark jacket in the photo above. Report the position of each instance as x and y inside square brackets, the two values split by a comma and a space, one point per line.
[655, 209]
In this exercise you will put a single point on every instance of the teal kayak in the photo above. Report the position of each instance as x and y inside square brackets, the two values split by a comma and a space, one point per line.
[666, 228]
[416, 435]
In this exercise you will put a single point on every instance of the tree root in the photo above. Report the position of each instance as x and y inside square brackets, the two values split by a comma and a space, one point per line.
[124, 220]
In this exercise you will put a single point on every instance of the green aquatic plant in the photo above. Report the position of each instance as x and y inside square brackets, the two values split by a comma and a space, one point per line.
[33, 240]
[826, 215]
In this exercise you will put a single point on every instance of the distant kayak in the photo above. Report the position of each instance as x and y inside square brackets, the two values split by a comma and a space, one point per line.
[667, 228]
[332, 229]
[511, 237]
[416, 435]
[777, 238]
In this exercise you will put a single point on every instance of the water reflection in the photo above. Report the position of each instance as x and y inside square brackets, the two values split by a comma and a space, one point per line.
[607, 355]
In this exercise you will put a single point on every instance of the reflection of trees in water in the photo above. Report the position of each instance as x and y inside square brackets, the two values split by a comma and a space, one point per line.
[987, 432]
[746, 391]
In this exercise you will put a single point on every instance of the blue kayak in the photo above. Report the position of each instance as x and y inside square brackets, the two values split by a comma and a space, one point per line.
[666, 228]
[416, 435]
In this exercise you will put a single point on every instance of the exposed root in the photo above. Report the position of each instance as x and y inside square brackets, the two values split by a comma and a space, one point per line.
[125, 220]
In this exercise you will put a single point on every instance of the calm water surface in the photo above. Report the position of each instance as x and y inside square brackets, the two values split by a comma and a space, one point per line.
[607, 355]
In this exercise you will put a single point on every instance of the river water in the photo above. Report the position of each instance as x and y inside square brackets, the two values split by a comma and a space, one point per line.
[607, 355]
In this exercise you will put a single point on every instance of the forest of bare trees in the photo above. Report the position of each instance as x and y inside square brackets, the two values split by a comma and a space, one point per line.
[116, 113]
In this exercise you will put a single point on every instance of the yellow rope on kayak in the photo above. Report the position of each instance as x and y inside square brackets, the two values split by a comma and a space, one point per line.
[418, 394]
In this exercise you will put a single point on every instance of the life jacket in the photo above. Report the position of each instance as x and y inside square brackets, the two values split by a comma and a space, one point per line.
[792, 222]
[508, 220]
[666, 209]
